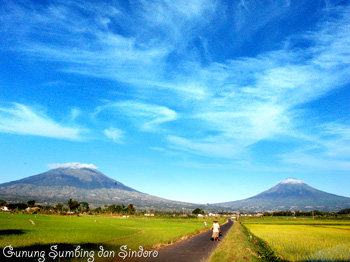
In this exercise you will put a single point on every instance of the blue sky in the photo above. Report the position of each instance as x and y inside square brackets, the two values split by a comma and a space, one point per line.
[199, 101]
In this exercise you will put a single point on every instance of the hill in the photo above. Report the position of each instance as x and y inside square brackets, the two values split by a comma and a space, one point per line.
[290, 194]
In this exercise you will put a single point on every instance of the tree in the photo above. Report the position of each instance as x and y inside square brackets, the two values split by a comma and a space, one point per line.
[131, 209]
[84, 206]
[98, 210]
[344, 211]
[31, 203]
[115, 209]
[72, 204]
[19, 206]
[3, 203]
[59, 207]
[198, 211]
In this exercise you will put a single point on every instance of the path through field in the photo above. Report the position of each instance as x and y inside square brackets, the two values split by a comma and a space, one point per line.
[197, 248]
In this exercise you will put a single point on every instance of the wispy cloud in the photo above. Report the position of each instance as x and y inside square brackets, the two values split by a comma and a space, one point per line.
[148, 117]
[253, 99]
[72, 165]
[115, 134]
[317, 163]
[224, 104]
[24, 120]
[329, 149]
[211, 147]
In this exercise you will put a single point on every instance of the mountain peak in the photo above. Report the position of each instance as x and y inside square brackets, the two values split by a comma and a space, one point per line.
[291, 194]
[74, 175]
[291, 180]
[72, 165]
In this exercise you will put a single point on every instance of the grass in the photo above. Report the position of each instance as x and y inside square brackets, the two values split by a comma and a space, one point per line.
[235, 247]
[304, 239]
[23, 230]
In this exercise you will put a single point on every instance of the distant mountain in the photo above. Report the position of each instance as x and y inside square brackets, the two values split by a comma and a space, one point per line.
[84, 178]
[82, 184]
[290, 194]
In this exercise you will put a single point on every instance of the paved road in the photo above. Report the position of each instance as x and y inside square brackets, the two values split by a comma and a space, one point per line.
[197, 248]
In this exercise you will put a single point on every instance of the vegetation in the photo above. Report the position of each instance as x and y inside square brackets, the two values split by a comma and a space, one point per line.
[198, 211]
[109, 231]
[297, 213]
[59, 207]
[72, 204]
[303, 239]
[235, 247]
[115, 209]
[344, 211]
[84, 206]
[31, 203]
[17, 206]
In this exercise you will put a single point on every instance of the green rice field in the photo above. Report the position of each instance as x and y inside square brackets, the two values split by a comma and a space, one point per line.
[304, 239]
[23, 230]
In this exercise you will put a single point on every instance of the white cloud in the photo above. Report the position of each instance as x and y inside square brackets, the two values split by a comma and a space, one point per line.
[75, 113]
[115, 134]
[72, 165]
[24, 120]
[328, 149]
[148, 117]
[208, 147]
[253, 99]
[239, 102]
[316, 162]
[156, 148]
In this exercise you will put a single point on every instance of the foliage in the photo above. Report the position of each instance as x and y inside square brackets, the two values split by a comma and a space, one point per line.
[18, 206]
[198, 211]
[72, 204]
[130, 209]
[84, 206]
[31, 203]
[296, 213]
[59, 207]
[116, 209]
[344, 211]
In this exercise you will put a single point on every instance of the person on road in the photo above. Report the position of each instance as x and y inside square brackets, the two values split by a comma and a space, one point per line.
[216, 230]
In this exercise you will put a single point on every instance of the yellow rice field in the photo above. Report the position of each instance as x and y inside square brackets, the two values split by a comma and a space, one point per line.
[302, 242]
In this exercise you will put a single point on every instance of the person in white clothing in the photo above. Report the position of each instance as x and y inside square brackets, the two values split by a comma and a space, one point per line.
[216, 230]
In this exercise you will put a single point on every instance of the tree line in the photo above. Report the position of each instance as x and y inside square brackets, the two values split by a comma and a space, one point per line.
[72, 206]
[307, 213]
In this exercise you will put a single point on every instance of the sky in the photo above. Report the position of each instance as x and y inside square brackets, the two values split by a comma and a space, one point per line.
[198, 101]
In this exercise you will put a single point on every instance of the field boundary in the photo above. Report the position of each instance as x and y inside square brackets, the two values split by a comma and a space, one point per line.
[264, 249]
[235, 247]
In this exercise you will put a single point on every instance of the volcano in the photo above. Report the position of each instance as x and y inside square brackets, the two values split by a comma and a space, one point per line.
[290, 194]
[82, 184]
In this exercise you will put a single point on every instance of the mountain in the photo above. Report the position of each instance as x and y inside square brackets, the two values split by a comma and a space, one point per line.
[290, 194]
[84, 178]
[82, 184]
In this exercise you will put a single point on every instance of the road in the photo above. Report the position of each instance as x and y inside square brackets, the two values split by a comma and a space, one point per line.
[197, 248]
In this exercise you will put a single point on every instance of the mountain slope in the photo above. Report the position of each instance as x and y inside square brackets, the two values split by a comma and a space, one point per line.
[82, 184]
[85, 178]
[290, 194]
